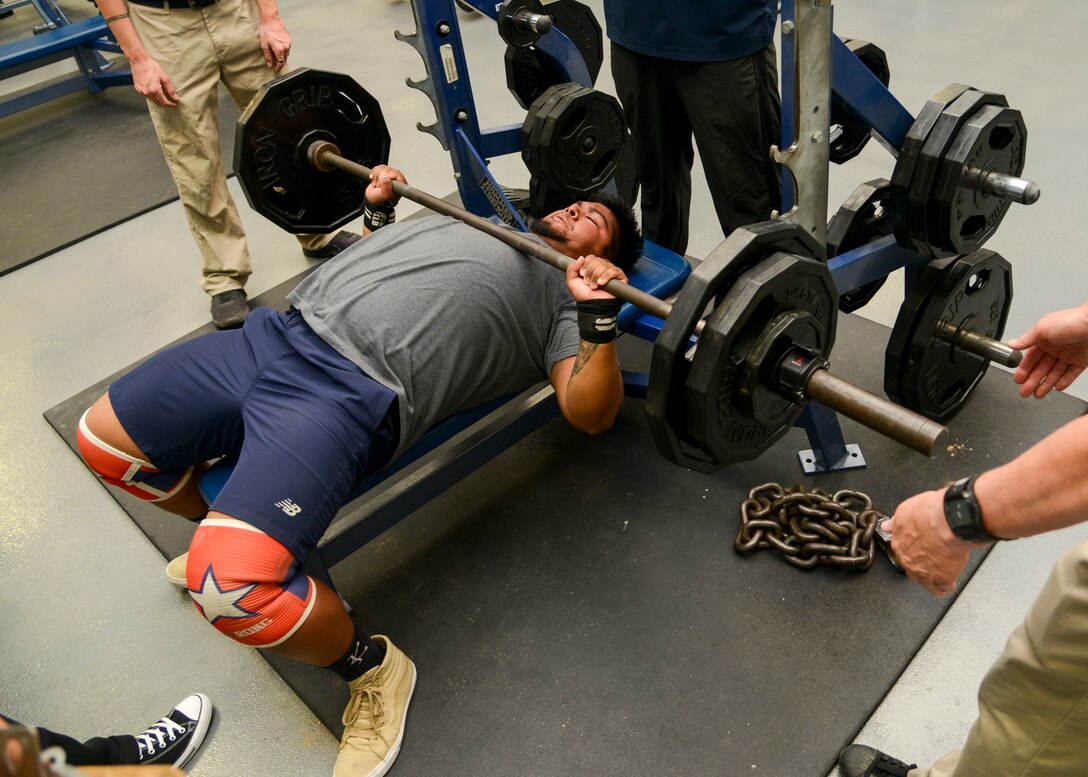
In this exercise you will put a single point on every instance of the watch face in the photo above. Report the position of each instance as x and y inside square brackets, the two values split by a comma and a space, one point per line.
[963, 514]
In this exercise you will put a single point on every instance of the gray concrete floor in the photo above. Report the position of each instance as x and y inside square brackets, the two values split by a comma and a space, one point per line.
[92, 638]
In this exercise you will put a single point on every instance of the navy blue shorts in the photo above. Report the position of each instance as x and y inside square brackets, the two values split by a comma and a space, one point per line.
[305, 423]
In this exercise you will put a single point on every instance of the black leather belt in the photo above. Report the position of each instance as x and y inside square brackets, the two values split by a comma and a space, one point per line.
[164, 4]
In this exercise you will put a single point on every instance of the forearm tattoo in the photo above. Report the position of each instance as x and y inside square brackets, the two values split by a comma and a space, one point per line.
[585, 353]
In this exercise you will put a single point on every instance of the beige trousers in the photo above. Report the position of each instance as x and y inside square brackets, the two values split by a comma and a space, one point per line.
[198, 48]
[1033, 703]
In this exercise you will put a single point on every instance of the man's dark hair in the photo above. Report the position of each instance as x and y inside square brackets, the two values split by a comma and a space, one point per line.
[627, 246]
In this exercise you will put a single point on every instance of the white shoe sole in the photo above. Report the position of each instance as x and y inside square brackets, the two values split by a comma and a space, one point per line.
[203, 721]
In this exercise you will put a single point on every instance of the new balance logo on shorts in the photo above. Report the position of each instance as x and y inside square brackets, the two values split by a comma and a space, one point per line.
[289, 507]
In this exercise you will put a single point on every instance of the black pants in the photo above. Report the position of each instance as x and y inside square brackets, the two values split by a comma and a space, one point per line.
[99, 751]
[735, 114]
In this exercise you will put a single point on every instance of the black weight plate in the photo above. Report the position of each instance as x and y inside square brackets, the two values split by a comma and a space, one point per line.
[552, 110]
[543, 199]
[529, 72]
[973, 293]
[895, 352]
[274, 133]
[907, 161]
[718, 415]
[581, 141]
[865, 216]
[577, 22]
[921, 211]
[534, 124]
[745, 247]
[627, 172]
[850, 133]
[994, 139]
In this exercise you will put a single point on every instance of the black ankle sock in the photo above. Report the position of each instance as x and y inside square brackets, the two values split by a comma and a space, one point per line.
[362, 654]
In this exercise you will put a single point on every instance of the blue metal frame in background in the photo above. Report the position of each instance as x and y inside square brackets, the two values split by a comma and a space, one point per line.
[55, 40]
[869, 99]
[457, 127]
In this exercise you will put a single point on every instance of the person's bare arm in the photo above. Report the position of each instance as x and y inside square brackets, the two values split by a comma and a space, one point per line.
[589, 386]
[1043, 489]
[275, 40]
[148, 77]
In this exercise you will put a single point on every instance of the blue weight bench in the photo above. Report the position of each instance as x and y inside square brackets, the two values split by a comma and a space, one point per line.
[461, 444]
[82, 41]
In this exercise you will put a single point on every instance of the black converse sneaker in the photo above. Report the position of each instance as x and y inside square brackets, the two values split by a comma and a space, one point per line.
[178, 735]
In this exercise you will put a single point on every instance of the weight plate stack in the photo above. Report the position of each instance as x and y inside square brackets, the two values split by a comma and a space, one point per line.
[533, 125]
[906, 163]
[735, 408]
[961, 217]
[581, 140]
[665, 408]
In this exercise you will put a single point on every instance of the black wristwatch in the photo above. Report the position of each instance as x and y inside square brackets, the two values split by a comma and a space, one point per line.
[963, 514]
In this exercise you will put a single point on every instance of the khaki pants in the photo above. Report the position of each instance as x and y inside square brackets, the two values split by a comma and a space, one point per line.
[1033, 703]
[197, 48]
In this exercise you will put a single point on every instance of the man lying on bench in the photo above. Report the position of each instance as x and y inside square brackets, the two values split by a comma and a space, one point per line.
[427, 318]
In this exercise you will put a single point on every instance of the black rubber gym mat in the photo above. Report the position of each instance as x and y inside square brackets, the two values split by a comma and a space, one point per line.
[575, 606]
[81, 164]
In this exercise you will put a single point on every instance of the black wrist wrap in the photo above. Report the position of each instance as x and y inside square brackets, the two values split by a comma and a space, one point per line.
[597, 320]
[377, 216]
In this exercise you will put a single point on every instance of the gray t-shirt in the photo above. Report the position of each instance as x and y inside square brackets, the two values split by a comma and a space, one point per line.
[443, 314]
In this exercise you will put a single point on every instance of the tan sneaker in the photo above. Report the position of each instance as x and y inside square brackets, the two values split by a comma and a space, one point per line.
[374, 718]
[175, 571]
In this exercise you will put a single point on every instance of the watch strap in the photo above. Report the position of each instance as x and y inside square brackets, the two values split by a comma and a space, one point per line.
[962, 511]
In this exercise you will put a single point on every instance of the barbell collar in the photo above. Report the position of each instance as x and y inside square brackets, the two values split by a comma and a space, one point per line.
[1008, 187]
[889, 419]
[981, 345]
[325, 156]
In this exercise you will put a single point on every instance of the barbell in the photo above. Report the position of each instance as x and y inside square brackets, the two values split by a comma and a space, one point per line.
[761, 353]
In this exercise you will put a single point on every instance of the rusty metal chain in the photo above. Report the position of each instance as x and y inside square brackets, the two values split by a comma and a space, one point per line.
[809, 527]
